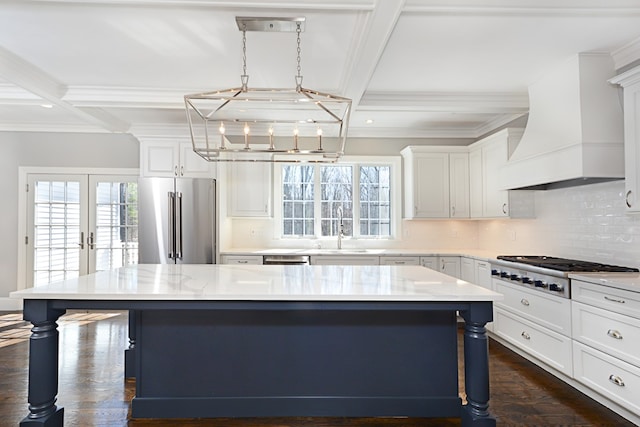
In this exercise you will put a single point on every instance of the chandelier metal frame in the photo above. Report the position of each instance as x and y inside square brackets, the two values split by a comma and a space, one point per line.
[268, 124]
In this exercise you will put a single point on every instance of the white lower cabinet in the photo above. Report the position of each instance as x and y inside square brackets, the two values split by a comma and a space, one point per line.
[429, 262]
[608, 375]
[467, 269]
[241, 259]
[606, 346]
[548, 311]
[549, 347]
[345, 260]
[482, 275]
[399, 260]
[449, 265]
[610, 332]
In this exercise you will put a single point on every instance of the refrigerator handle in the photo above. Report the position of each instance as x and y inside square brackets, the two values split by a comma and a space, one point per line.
[171, 223]
[179, 225]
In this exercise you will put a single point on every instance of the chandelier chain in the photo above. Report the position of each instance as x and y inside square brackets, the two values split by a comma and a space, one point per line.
[298, 76]
[244, 78]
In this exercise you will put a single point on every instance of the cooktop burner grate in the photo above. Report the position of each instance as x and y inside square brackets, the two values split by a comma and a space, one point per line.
[565, 264]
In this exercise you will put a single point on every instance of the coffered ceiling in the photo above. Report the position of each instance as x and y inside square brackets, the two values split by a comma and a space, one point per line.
[415, 68]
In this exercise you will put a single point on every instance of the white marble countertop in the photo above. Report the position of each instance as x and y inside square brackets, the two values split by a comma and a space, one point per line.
[627, 281]
[473, 253]
[263, 283]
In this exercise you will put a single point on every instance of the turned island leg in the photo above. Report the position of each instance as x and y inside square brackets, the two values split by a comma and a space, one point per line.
[43, 365]
[476, 366]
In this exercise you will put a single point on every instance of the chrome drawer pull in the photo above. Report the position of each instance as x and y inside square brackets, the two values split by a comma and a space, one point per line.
[243, 261]
[614, 334]
[621, 301]
[616, 380]
[523, 301]
[525, 335]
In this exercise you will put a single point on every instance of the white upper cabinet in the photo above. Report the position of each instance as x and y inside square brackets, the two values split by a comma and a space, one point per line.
[487, 198]
[630, 81]
[174, 160]
[436, 182]
[249, 189]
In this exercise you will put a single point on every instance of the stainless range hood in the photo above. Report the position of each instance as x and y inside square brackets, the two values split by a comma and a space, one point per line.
[574, 135]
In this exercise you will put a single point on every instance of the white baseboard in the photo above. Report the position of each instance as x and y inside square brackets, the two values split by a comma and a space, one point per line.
[10, 304]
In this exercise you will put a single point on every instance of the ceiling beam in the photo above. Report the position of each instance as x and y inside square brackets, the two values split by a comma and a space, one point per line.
[367, 50]
[23, 74]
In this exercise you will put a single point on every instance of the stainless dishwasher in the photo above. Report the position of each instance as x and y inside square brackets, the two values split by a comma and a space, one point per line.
[285, 260]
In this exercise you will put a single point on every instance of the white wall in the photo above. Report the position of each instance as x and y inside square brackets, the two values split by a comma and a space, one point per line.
[48, 150]
[587, 222]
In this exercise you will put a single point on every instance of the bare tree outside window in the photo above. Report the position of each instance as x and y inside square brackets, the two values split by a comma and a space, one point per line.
[336, 183]
[375, 192]
[298, 200]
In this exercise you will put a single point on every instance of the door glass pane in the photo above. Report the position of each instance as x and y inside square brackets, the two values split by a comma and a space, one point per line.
[57, 231]
[116, 222]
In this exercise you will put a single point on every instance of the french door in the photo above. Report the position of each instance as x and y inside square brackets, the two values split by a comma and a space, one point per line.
[79, 224]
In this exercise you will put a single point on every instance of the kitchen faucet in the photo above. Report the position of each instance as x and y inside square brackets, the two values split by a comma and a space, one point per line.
[340, 226]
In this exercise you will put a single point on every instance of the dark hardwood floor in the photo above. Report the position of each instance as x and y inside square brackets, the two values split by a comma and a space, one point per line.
[94, 393]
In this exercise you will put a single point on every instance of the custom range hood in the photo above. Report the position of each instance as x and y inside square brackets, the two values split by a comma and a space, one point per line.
[574, 134]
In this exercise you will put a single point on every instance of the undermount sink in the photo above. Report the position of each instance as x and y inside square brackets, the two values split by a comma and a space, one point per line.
[349, 251]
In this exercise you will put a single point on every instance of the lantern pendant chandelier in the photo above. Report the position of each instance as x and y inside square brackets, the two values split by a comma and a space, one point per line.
[268, 124]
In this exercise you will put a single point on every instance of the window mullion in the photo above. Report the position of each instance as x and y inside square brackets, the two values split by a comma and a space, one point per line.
[355, 196]
[317, 202]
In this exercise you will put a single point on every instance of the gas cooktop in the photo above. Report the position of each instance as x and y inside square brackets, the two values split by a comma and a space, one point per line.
[565, 264]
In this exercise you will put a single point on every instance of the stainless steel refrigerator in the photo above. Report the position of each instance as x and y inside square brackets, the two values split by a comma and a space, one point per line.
[177, 221]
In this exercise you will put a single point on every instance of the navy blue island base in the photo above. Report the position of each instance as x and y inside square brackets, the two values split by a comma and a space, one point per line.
[208, 359]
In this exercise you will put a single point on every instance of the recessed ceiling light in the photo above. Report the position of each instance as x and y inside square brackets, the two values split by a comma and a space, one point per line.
[46, 105]
[369, 121]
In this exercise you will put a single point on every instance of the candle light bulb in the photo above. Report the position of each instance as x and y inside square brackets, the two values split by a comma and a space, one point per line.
[295, 139]
[222, 141]
[319, 139]
[246, 136]
[271, 147]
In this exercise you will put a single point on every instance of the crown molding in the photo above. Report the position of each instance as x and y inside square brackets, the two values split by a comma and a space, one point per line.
[626, 54]
[485, 103]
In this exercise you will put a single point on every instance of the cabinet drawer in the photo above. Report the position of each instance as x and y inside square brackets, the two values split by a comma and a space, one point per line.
[399, 260]
[545, 310]
[617, 380]
[548, 346]
[612, 299]
[609, 332]
[241, 259]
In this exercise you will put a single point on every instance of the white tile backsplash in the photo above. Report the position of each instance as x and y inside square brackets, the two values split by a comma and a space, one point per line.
[586, 222]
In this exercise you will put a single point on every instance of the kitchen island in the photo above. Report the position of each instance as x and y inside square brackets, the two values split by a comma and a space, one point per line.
[251, 341]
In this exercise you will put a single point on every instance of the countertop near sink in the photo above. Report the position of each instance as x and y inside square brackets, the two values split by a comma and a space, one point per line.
[473, 253]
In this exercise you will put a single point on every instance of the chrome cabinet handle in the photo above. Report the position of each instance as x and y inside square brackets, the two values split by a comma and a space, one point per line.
[614, 334]
[504, 208]
[620, 301]
[616, 380]
[81, 244]
[453, 211]
[627, 198]
[524, 301]
[243, 261]
[398, 262]
[91, 241]
[525, 335]
[181, 170]
[175, 170]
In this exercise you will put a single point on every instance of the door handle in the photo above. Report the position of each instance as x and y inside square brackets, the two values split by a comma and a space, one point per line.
[90, 241]
[170, 225]
[179, 225]
[81, 244]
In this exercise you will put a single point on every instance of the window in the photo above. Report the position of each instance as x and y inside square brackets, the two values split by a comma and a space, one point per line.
[315, 199]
